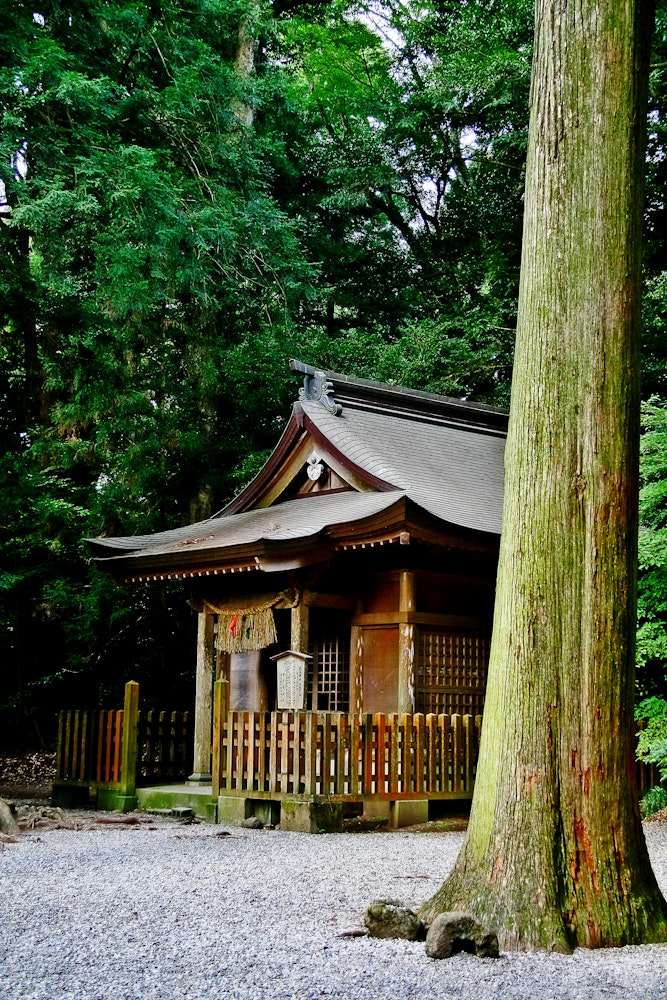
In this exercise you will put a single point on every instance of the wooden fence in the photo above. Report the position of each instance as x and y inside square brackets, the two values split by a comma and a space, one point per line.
[89, 748]
[345, 756]
[99, 749]
[264, 754]
[165, 747]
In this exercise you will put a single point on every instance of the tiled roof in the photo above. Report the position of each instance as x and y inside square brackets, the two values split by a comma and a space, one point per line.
[446, 456]
[454, 472]
[294, 519]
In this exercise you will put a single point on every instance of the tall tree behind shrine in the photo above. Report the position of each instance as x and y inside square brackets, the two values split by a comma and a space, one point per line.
[143, 250]
[554, 855]
[180, 215]
[193, 193]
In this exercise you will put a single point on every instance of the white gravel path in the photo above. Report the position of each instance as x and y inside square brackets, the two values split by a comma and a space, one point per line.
[138, 914]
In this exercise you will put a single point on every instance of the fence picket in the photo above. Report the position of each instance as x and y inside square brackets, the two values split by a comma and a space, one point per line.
[446, 777]
[432, 776]
[367, 747]
[62, 748]
[420, 755]
[456, 750]
[118, 744]
[273, 753]
[342, 783]
[310, 754]
[467, 723]
[392, 775]
[355, 753]
[326, 753]
[407, 753]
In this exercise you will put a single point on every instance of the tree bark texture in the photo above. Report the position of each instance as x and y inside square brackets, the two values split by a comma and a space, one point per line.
[555, 855]
[244, 64]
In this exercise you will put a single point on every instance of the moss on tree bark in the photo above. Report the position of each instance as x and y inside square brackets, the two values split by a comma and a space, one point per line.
[555, 854]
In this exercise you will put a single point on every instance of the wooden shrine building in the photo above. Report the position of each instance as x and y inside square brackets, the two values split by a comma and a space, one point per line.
[345, 603]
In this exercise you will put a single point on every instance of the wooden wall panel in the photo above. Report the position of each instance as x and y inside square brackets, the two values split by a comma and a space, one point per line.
[380, 669]
[382, 593]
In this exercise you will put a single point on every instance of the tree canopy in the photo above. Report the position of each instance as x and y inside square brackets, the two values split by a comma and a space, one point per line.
[191, 194]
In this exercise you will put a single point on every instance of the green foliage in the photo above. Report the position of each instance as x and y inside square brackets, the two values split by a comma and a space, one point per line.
[174, 228]
[406, 154]
[652, 584]
[654, 360]
[652, 746]
[653, 801]
[141, 247]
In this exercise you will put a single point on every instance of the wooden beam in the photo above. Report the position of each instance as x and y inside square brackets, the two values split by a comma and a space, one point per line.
[425, 618]
[338, 602]
[129, 749]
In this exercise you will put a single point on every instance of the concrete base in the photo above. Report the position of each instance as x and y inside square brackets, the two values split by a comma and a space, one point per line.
[232, 810]
[199, 778]
[408, 812]
[110, 798]
[311, 817]
[376, 809]
[195, 797]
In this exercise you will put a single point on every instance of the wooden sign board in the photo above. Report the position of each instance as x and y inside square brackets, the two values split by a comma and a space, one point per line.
[291, 687]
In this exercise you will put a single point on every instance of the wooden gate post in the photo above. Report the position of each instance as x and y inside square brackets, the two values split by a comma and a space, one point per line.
[130, 748]
[219, 719]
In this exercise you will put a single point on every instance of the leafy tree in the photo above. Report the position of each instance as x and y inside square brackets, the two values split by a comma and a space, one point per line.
[147, 271]
[654, 360]
[652, 588]
[652, 742]
[406, 155]
[192, 193]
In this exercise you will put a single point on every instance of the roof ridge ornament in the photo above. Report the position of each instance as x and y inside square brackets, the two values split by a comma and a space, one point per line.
[316, 387]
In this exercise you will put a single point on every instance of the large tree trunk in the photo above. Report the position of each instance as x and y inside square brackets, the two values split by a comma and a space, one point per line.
[555, 855]
[244, 65]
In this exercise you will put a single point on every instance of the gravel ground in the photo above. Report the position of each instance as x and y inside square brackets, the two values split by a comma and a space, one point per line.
[160, 911]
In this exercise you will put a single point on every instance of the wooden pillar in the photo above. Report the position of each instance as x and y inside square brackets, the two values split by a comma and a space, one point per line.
[299, 636]
[406, 645]
[220, 704]
[203, 701]
[356, 668]
[129, 748]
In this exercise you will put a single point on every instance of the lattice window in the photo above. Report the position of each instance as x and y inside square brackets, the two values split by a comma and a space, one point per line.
[329, 674]
[451, 672]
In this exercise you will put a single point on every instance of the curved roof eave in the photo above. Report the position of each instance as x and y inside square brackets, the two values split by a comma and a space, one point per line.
[377, 519]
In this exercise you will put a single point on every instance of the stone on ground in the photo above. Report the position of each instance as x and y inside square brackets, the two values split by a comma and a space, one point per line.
[454, 931]
[387, 918]
[7, 822]
[253, 823]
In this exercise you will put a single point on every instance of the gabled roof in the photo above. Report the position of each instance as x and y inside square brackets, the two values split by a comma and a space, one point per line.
[397, 455]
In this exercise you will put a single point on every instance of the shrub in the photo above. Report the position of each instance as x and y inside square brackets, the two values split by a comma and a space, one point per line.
[652, 737]
[652, 801]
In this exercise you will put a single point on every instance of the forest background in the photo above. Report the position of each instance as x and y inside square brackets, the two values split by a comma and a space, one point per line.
[191, 193]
